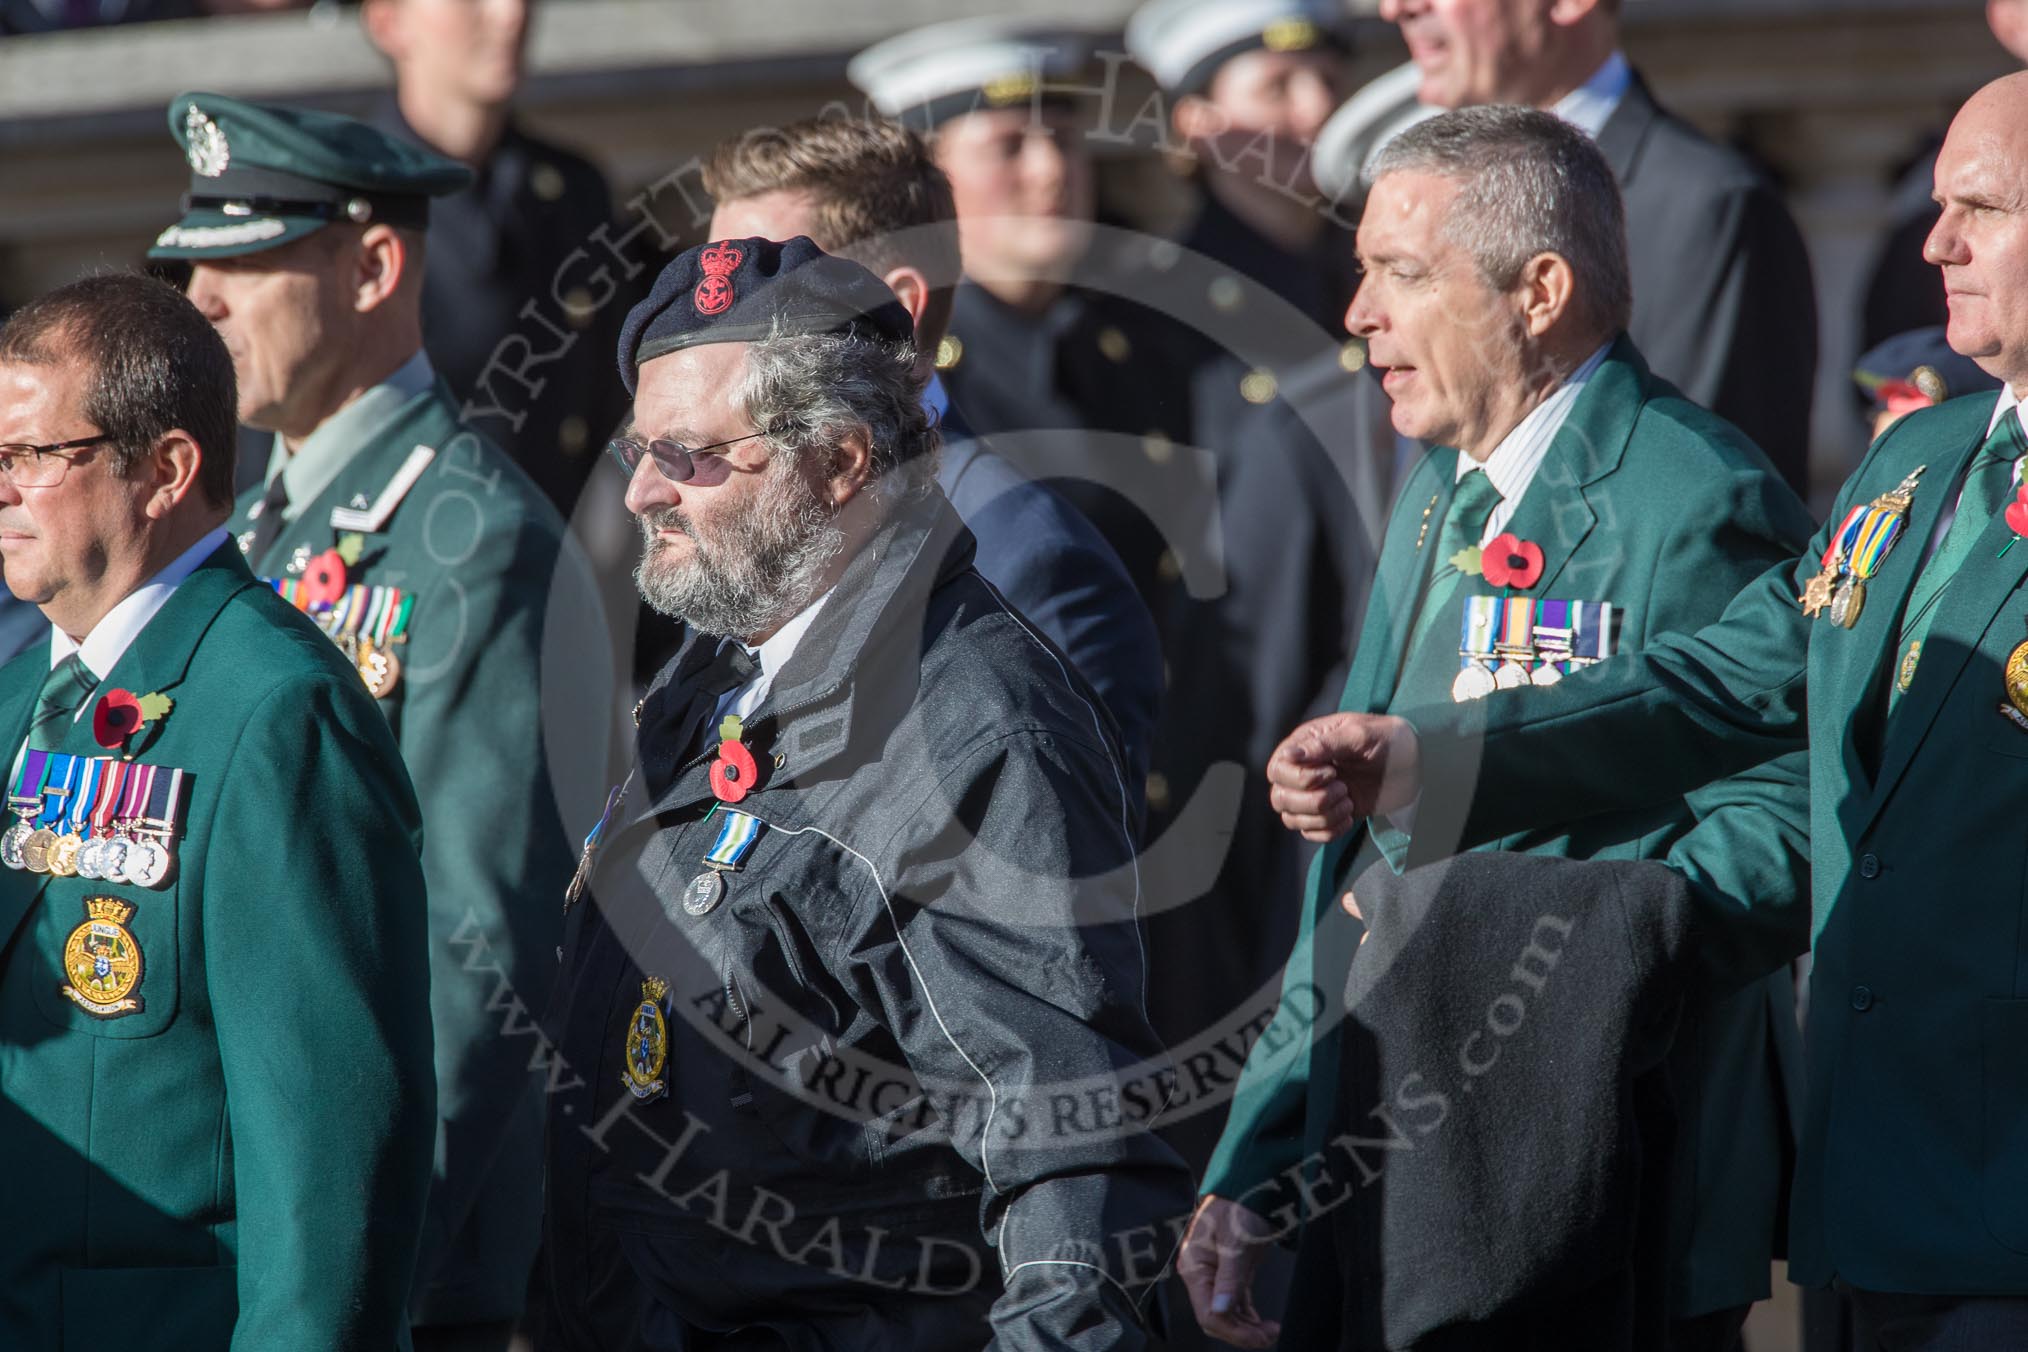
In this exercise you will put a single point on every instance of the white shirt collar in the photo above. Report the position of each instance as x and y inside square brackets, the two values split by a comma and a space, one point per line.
[2008, 400]
[773, 654]
[1589, 105]
[115, 633]
[1513, 463]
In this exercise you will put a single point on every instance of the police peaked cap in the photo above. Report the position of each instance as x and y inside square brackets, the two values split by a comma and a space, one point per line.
[746, 290]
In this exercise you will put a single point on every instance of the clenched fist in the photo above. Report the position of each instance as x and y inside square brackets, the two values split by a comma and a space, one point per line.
[1332, 771]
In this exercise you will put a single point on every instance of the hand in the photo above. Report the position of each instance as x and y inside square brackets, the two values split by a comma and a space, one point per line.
[1221, 1252]
[1332, 771]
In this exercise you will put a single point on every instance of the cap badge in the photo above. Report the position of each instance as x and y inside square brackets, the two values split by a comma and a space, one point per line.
[205, 145]
[1291, 35]
[713, 295]
[1014, 87]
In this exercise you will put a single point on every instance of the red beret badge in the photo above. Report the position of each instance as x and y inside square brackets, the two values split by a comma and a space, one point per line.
[713, 295]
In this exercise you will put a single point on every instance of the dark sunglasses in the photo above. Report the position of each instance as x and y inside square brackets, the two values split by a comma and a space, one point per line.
[677, 462]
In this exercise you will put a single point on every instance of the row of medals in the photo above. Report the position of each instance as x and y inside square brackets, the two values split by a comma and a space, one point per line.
[1480, 680]
[377, 665]
[119, 858]
[1843, 600]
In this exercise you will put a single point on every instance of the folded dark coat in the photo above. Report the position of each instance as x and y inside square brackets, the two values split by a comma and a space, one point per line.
[1491, 1177]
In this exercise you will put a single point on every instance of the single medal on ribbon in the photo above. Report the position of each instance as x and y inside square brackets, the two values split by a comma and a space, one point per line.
[1553, 639]
[58, 786]
[1475, 650]
[70, 835]
[25, 801]
[586, 860]
[112, 785]
[1515, 642]
[737, 834]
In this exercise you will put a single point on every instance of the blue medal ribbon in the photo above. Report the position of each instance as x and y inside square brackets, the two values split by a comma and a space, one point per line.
[737, 834]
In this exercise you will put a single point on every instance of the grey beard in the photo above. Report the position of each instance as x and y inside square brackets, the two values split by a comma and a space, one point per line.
[761, 569]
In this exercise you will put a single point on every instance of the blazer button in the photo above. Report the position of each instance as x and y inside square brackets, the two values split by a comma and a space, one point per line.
[1869, 866]
[1862, 998]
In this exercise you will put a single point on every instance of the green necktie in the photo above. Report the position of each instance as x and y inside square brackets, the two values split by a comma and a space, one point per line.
[68, 684]
[1464, 522]
[1989, 486]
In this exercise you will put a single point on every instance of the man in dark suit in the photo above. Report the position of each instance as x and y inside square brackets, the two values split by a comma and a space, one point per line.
[1901, 666]
[519, 311]
[1723, 303]
[870, 190]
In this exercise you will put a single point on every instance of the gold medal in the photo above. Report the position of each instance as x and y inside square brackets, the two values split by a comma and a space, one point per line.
[35, 854]
[380, 669]
[63, 855]
[1817, 594]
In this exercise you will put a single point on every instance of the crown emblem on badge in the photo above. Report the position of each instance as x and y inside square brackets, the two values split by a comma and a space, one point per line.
[204, 142]
[714, 294]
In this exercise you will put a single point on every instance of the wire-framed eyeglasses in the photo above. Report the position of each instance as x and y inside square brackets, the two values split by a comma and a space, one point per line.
[31, 466]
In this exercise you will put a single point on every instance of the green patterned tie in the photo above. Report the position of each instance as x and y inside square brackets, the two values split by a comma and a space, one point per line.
[68, 684]
[1465, 520]
[1989, 486]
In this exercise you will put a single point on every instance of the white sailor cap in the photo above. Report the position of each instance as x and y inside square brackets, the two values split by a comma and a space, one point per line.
[1347, 144]
[927, 76]
[1184, 42]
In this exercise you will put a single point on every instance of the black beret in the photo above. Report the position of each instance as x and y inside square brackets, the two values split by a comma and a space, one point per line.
[745, 290]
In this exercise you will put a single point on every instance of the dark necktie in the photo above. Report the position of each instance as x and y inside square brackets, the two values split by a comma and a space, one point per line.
[67, 686]
[1472, 504]
[268, 526]
[1989, 486]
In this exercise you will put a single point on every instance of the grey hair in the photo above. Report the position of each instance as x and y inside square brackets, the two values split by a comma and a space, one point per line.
[1529, 184]
[806, 392]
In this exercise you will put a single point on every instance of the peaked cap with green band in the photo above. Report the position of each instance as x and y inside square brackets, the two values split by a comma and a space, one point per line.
[262, 174]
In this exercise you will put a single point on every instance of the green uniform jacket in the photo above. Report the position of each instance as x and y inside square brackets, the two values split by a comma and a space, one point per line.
[242, 1160]
[1647, 502]
[478, 545]
[1913, 1165]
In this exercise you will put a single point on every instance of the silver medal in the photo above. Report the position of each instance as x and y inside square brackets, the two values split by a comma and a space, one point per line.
[1511, 676]
[91, 859]
[147, 863]
[704, 893]
[1546, 674]
[113, 859]
[11, 842]
[1474, 682]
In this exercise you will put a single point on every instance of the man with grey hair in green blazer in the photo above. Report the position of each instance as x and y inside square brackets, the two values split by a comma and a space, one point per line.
[1574, 504]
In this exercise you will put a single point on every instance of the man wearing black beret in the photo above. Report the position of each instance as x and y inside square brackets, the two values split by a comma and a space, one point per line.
[851, 999]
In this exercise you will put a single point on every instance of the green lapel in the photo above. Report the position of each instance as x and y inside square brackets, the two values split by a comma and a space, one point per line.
[1554, 512]
[1404, 565]
[157, 659]
[1967, 608]
[429, 419]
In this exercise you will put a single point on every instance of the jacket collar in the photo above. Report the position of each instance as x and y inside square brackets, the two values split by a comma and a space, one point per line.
[1626, 132]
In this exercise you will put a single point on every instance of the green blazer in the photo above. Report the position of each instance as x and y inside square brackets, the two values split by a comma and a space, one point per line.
[1913, 1172]
[241, 1161]
[478, 545]
[1645, 501]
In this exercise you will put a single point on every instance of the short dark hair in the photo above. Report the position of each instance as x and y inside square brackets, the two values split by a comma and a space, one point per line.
[880, 196]
[156, 365]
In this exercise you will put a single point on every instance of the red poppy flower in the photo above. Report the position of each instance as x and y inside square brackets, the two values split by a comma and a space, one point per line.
[2017, 516]
[324, 579]
[733, 774]
[1511, 561]
[116, 717]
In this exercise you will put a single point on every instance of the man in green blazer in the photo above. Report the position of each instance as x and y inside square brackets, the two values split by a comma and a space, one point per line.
[429, 557]
[1894, 646]
[1567, 479]
[215, 1089]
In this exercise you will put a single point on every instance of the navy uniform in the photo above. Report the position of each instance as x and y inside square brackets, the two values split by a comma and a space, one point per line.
[521, 238]
[831, 955]
[420, 548]
[1184, 44]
